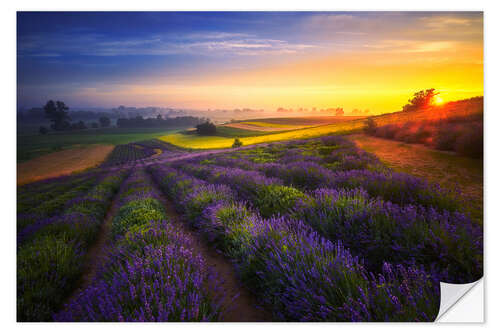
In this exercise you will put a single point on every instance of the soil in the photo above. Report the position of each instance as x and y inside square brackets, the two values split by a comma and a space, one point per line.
[97, 253]
[238, 303]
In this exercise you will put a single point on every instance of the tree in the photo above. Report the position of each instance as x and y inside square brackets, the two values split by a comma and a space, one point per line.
[339, 111]
[206, 128]
[421, 99]
[159, 117]
[94, 125]
[57, 114]
[370, 126]
[43, 130]
[237, 143]
[104, 121]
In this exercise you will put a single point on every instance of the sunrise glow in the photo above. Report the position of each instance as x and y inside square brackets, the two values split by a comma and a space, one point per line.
[367, 61]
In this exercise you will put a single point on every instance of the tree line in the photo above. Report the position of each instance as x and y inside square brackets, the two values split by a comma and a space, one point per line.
[57, 113]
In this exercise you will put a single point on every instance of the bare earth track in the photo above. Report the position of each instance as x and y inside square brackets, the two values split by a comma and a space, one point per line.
[238, 303]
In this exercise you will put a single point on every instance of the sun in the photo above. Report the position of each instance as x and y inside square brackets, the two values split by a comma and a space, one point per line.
[438, 100]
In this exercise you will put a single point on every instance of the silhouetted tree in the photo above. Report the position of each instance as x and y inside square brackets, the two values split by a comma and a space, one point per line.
[94, 125]
[207, 128]
[370, 126]
[104, 121]
[339, 111]
[57, 114]
[420, 100]
[237, 143]
[43, 130]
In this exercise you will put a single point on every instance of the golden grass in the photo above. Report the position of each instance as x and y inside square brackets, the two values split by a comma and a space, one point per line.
[61, 163]
[459, 108]
[216, 142]
[444, 168]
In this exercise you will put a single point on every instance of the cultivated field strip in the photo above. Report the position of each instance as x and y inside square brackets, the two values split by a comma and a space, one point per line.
[309, 230]
[278, 258]
[51, 251]
[357, 207]
[151, 273]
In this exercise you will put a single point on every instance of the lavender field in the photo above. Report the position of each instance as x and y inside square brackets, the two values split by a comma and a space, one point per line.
[305, 230]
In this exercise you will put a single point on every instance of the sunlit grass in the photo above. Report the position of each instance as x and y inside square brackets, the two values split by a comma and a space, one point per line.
[348, 126]
[265, 124]
[215, 142]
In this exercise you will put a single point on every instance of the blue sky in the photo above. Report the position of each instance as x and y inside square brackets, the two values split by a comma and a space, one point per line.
[91, 59]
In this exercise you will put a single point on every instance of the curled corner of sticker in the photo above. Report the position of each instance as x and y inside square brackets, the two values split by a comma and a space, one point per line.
[455, 306]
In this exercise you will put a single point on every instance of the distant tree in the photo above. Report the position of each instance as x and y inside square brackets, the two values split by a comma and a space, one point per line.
[94, 125]
[78, 126]
[339, 111]
[420, 100]
[159, 117]
[206, 128]
[43, 130]
[370, 126]
[237, 143]
[104, 121]
[57, 114]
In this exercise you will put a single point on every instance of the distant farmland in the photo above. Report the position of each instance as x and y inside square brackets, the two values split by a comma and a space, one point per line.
[313, 126]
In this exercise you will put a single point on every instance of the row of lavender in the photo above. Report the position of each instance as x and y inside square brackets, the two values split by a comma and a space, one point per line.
[51, 248]
[130, 152]
[151, 273]
[49, 197]
[378, 213]
[298, 273]
[448, 244]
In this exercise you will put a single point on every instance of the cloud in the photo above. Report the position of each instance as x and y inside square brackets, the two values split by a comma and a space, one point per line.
[214, 43]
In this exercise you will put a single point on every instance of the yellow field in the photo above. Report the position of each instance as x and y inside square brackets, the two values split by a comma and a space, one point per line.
[61, 163]
[459, 108]
[265, 124]
[214, 142]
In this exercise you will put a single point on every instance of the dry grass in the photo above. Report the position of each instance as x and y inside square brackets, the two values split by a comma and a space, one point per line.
[444, 168]
[61, 163]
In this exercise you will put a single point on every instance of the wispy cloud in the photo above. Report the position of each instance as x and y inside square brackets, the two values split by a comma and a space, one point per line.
[213, 43]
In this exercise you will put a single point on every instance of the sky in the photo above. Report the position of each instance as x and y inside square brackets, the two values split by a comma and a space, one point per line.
[260, 60]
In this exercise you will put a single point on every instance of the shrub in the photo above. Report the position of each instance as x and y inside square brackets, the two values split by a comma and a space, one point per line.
[446, 137]
[448, 243]
[207, 128]
[151, 276]
[47, 269]
[370, 126]
[136, 212]
[277, 199]
[470, 142]
[237, 143]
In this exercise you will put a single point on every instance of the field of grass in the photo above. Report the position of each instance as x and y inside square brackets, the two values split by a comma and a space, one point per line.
[266, 124]
[34, 145]
[62, 163]
[297, 226]
[447, 169]
[340, 125]
[214, 142]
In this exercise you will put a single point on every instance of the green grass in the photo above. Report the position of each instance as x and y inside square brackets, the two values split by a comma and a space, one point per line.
[34, 145]
[217, 141]
[231, 132]
[267, 124]
[343, 125]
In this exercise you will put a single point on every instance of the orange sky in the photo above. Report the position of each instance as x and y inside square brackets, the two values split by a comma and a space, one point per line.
[373, 60]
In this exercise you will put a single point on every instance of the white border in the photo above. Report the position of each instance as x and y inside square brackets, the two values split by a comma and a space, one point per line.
[8, 132]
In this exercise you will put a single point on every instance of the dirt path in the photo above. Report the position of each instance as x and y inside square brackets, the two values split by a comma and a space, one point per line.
[97, 252]
[444, 168]
[238, 303]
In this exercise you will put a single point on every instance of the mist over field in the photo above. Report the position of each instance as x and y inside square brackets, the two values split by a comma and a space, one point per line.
[247, 166]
